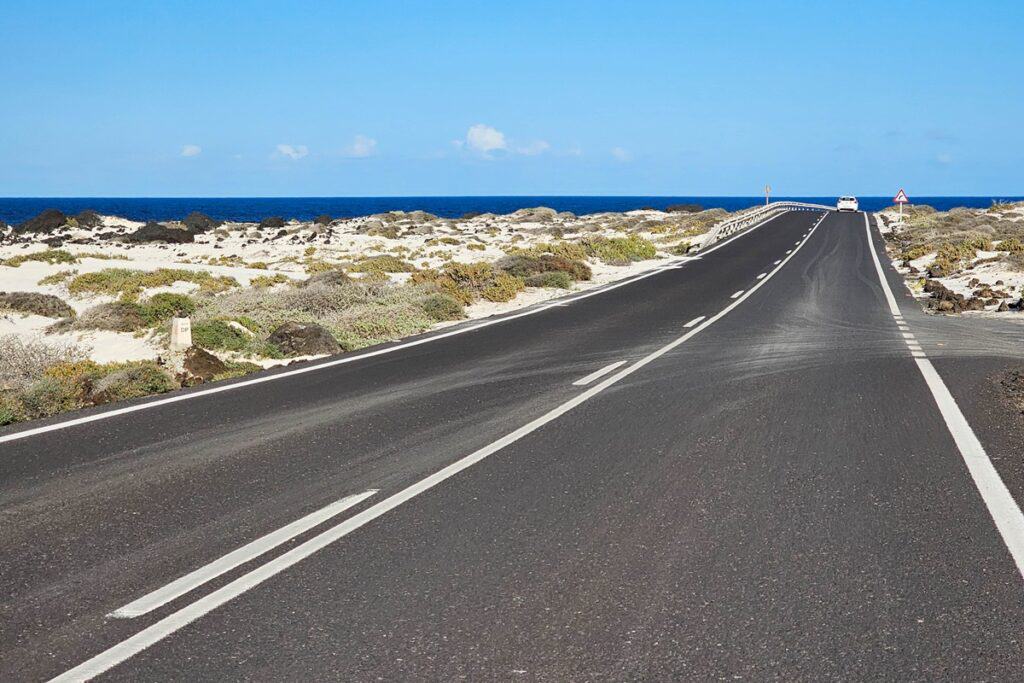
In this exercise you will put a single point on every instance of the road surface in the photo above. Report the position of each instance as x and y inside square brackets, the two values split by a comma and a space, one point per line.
[735, 467]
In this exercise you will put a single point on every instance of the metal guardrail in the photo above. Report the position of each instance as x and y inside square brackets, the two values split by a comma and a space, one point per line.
[756, 215]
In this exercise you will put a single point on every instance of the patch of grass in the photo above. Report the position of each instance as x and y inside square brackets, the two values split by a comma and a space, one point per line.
[269, 280]
[237, 369]
[554, 279]
[443, 307]
[468, 282]
[680, 249]
[161, 307]
[503, 287]
[128, 284]
[620, 250]
[51, 256]
[383, 264]
[58, 278]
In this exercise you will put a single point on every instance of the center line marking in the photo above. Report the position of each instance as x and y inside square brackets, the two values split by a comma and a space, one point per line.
[736, 295]
[249, 551]
[156, 632]
[694, 321]
[584, 381]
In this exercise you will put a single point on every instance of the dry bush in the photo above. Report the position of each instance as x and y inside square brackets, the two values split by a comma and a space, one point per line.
[22, 362]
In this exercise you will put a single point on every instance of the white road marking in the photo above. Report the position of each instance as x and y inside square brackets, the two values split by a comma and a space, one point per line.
[584, 381]
[737, 294]
[761, 275]
[907, 335]
[159, 630]
[789, 251]
[247, 552]
[1001, 506]
[24, 434]
[777, 262]
[694, 321]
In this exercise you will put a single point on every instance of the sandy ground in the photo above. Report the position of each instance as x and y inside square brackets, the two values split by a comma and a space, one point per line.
[244, 251]
[988, 272]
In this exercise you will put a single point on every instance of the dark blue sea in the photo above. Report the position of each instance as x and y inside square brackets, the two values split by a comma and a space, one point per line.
[17, 209]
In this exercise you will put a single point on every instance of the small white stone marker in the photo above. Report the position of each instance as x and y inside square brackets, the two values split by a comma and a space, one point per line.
[181, 334]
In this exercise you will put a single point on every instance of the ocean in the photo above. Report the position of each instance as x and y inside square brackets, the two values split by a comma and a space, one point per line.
[17, 209]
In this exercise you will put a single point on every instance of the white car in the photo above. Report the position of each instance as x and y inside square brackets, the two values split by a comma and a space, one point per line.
[847, 204]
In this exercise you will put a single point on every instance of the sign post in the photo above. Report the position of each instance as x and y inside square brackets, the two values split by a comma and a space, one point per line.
[901, 199]
[767, 194]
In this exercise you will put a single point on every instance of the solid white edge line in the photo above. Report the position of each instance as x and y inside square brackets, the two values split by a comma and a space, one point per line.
[156, 632]
[584, 381]
[694, 321]
[654, 270]
[1001, 505]
[239, 556]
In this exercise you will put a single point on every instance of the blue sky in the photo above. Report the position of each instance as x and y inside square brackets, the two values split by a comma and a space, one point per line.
[446, 98]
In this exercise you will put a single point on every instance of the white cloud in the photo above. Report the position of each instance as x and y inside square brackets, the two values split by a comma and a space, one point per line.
[484, 139]
[293, 151]
[621, 154]
[534, 148]
[191, 150]
[361, 146]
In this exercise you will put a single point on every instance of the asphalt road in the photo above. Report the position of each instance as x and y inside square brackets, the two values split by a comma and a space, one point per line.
[764, 486]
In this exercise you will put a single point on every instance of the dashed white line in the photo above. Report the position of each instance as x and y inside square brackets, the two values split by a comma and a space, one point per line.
[761, 276]
[737, 294]
[789, 251]
[250, 551]
[694, 321]
[777, 262]
[159, 630]
[1003, 509]
[584, 381]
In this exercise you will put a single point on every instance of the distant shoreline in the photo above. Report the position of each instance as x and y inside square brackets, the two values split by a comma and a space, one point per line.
[17, 209]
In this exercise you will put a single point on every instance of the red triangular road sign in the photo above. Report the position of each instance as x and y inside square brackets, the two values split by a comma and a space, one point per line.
[901, 197]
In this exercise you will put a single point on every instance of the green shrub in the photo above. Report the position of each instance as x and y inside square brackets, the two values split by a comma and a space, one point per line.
[128, 284]
[49, 396]
[503, 287]
[568, 250]
[263, 281]
[162, 307]
[57, 278]
[123, 381]
[218, 335]
[237, 369]
[10, 410]
[681, 249]
[383, 264]
[1012, 245]
[442, 307]
[51, 256]
[620, 250]
[554, 279]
